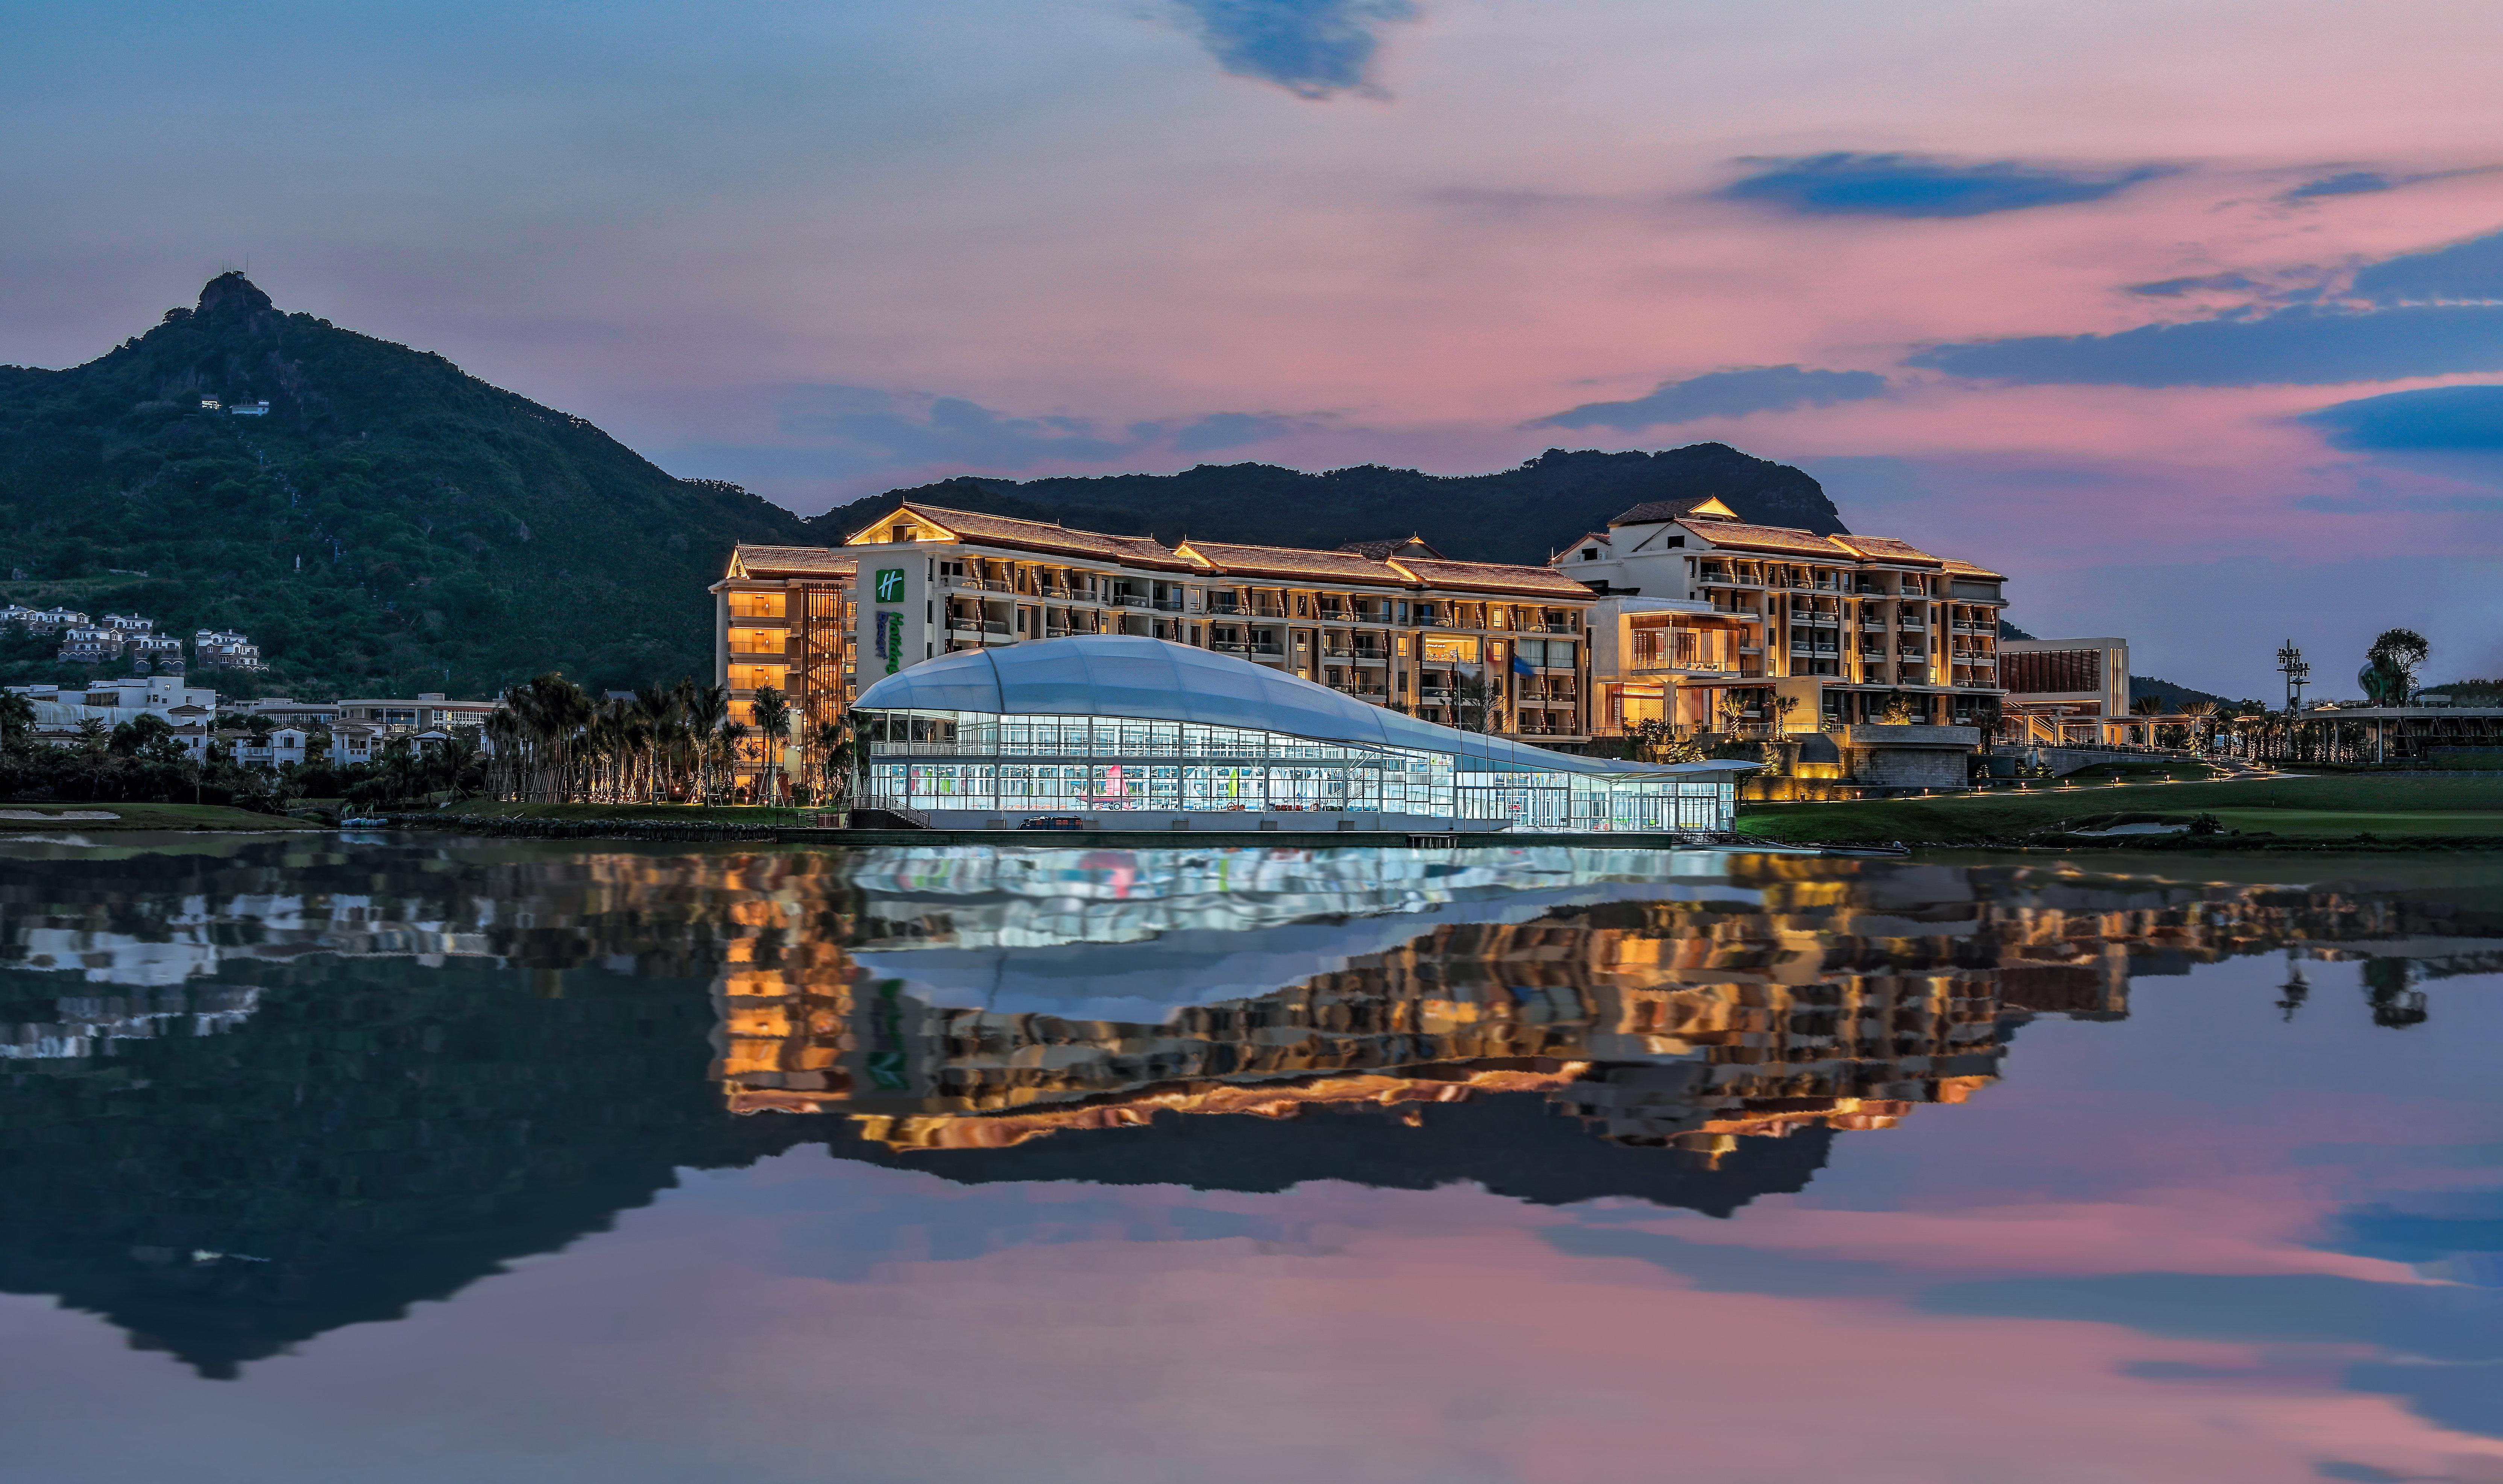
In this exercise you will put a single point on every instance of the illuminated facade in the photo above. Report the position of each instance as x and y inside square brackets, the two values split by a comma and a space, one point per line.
[782, 617]
[1394, 624]
[1684, 1024]
[1702, 609]
[1152, 734]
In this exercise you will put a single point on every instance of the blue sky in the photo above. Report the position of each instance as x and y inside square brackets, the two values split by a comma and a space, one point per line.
[2085, 296]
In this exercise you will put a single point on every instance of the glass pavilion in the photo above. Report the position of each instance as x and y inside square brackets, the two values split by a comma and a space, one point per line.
[1105, 724]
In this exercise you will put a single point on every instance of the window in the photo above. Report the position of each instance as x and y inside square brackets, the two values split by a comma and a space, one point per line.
[1590, 553]
[1675, 540]
[900, 534]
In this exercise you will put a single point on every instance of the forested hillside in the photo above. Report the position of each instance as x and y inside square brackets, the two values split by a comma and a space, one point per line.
[392, 524]
[1520, 515]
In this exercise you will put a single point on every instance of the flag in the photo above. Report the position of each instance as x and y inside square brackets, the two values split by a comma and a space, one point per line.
[1519, 666]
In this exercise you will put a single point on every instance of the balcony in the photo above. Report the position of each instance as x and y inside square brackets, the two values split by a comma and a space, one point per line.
[752, 647]
[1372, 656]
[1556, 625]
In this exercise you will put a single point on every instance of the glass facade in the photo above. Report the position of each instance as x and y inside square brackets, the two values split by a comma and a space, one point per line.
[979, 761]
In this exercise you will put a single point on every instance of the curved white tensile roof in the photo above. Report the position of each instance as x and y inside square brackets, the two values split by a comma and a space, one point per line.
[1128, 674]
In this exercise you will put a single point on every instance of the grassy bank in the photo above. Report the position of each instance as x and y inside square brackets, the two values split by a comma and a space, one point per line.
[22, 818]
[2307, 809]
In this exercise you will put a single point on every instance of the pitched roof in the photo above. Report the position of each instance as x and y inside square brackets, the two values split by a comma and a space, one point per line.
[1772, 538]
[747, 561]
[1651, 511]
[1967, 569]
[1493, 577]
[1885, 548]
[1291, 562]
[1033, 535]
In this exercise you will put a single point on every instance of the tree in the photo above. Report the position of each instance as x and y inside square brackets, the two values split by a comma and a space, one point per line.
[707, 710]
[2389, 673]
[2202, 723]
[16, 716]
[774, 728]
[833, 756]
[729, 738]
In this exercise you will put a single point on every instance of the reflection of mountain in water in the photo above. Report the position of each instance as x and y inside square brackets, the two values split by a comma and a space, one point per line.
[267, 1089]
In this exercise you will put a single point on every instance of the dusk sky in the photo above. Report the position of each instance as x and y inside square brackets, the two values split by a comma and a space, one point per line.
[2187, 315]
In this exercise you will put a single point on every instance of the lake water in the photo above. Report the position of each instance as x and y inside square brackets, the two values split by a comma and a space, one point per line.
[400, 1159]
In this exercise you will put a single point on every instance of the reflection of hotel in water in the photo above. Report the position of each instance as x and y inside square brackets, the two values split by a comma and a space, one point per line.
[979, 998]
[1801, 998]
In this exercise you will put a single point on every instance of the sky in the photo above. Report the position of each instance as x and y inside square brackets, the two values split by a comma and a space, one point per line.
[2186, 316]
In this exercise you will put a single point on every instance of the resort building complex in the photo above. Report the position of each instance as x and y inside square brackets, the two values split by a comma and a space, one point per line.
[1484, 646]
[1677, 613]
[1709, 622]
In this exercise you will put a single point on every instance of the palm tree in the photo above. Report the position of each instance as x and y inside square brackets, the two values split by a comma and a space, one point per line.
[774, 726]
[656, 709]
[833, 757]
[708, 711]
[2202, 722]
[729, 738]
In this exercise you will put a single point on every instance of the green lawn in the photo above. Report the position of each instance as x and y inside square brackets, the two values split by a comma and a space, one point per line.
[2294, 809]
[677, 813]
[140, 817]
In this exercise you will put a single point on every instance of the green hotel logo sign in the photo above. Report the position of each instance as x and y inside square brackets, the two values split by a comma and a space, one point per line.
[890, 626]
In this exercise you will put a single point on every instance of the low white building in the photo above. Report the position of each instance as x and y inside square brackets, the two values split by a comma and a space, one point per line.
[429, 712]
[280, 747]
[42, 618]
[84, 644]
[289, 712]
[224, 649]
[60, 709]
[354, 744]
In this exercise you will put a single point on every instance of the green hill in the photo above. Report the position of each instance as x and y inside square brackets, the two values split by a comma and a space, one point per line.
[394, 524]
[1520, 514]
[390, 525]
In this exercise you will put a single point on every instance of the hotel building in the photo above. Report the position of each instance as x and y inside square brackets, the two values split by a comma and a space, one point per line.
[1698, 606]
[1483, 647]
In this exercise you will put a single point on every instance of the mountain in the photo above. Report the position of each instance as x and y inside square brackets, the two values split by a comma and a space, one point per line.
[2173, 697]
[1523, 514]
[392, 524]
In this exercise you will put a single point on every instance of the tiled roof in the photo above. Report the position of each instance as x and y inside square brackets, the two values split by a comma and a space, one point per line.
[1884, 548]
[1493, 576]
[1292, 562]
[1967, 569]
[1774, 538]
[792, 560]
[1039, 536]
[1651, 511]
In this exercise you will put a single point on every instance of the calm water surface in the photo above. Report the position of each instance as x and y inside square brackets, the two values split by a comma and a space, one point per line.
[399, 1160]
